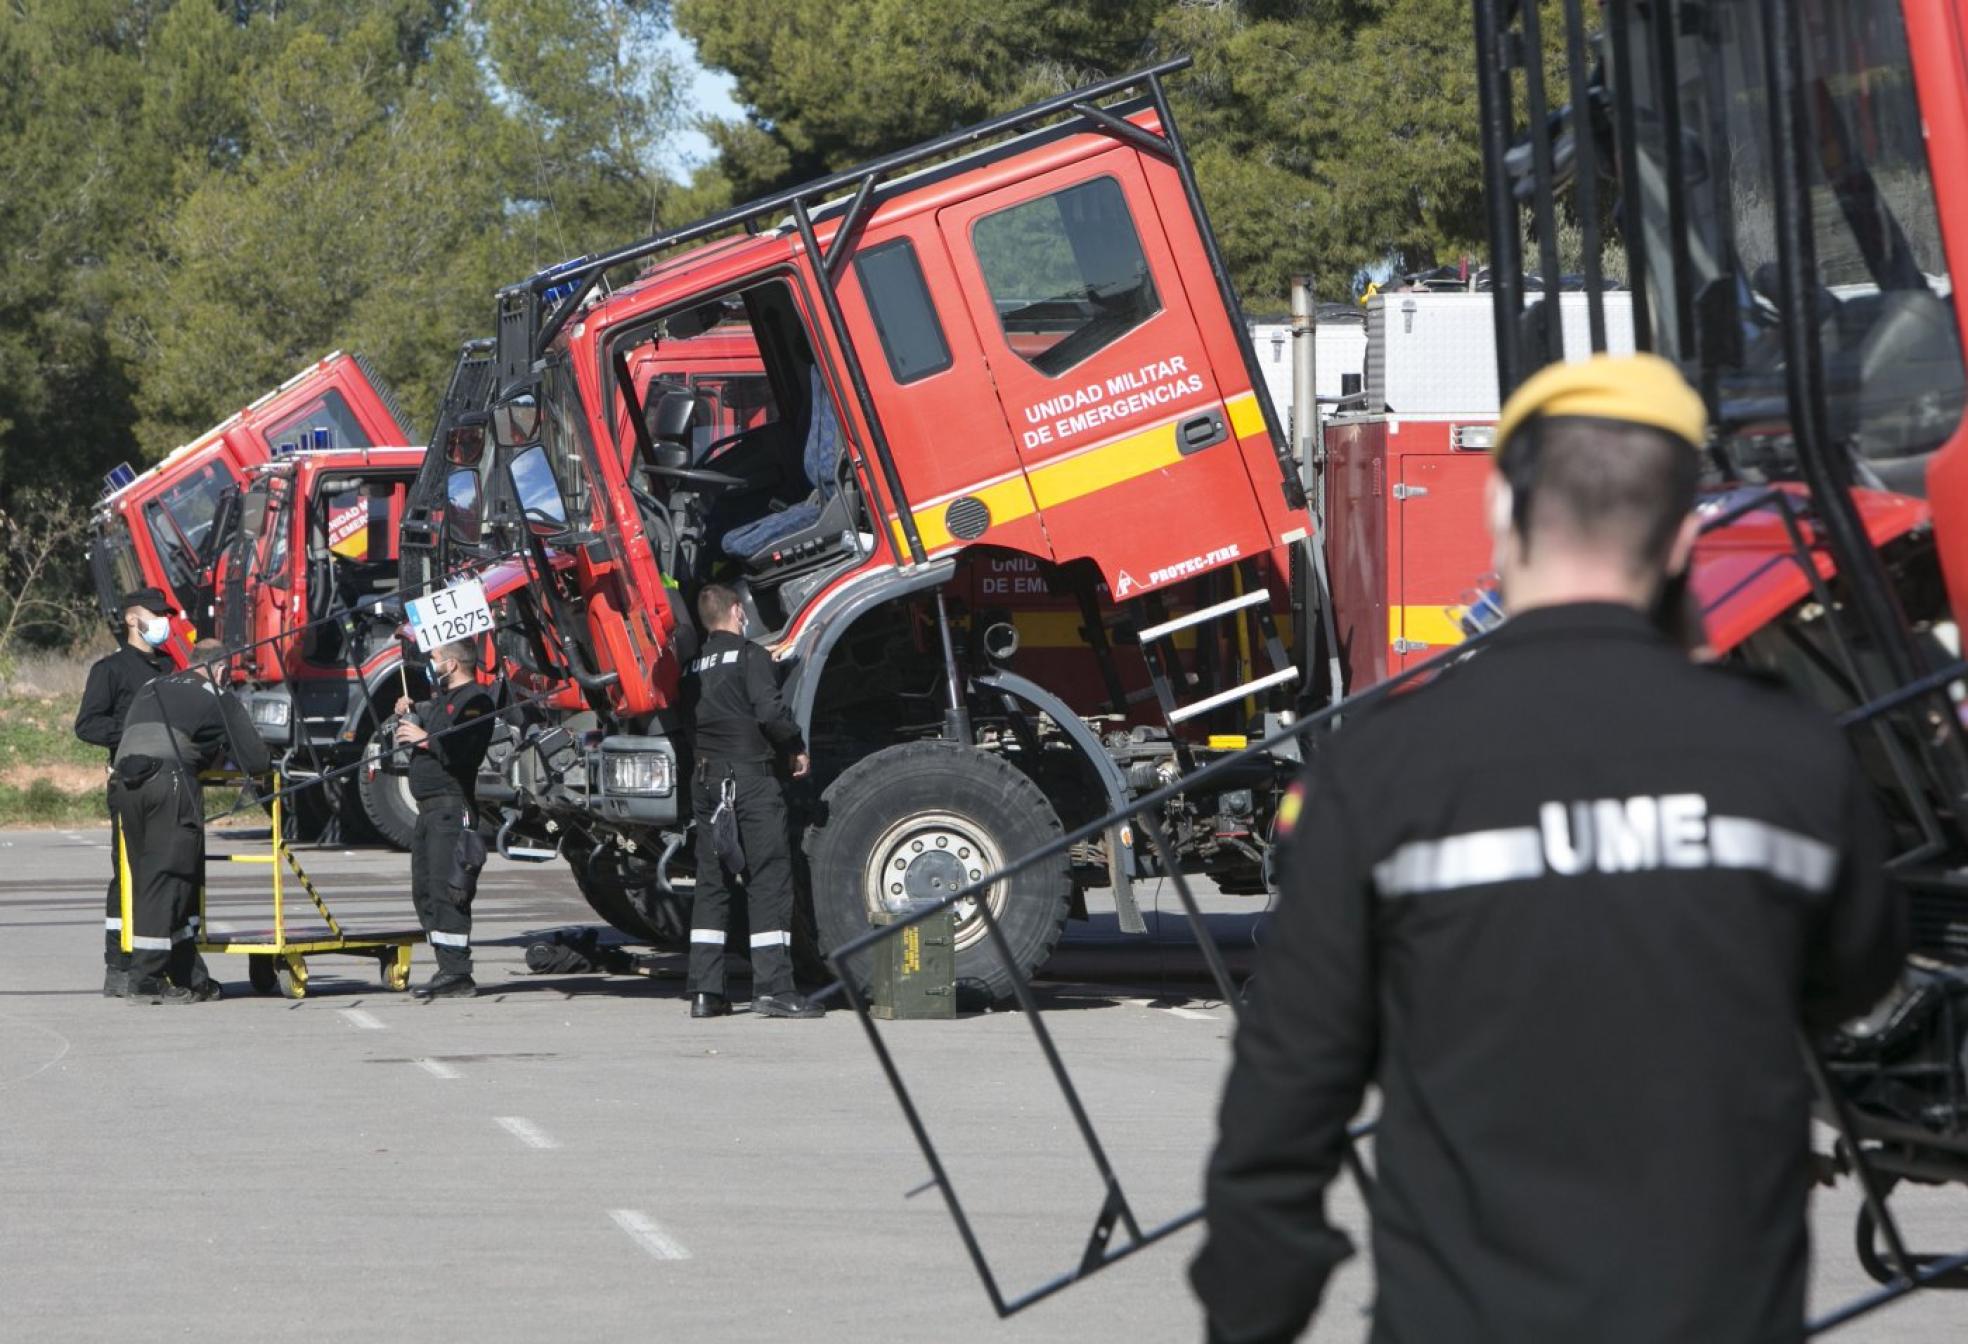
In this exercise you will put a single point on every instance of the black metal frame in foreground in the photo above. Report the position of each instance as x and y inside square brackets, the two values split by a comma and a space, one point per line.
[1115, 1210]
[1905, 1271]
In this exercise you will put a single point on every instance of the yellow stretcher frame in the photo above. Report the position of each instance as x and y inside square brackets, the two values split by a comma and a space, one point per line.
[280, 965]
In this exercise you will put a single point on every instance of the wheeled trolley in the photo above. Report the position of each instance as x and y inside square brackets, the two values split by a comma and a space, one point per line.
[277, 958]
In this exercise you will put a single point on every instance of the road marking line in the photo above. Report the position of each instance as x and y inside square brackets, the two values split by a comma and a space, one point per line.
[355, 1017]
[437, 1068]
[649, 1235]
[526, 1131]
[1153, 1006]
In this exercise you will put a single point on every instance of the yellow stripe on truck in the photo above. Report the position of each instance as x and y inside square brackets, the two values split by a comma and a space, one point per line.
[1076, 477]
[1246, 416]
[1436, 626]
[1109, 464]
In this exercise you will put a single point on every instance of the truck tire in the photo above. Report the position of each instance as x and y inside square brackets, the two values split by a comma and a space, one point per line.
[920, 820]
[385, 797]
[628, 905]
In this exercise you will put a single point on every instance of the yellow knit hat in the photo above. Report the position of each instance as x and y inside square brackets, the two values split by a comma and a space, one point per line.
[1637, 389]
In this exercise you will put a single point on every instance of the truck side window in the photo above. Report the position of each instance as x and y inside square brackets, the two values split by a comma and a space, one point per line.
[331, 415]
[1066, 273]
[905, 318]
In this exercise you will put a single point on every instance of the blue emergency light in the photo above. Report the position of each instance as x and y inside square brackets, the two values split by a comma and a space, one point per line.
[322, 437]
[117, 477]
[555, 293]
[283, 448]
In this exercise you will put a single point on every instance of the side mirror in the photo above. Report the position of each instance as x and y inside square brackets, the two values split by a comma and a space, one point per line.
[461, 518]
[516, 421]
[538, 493]
[465, 444]
[253, 515]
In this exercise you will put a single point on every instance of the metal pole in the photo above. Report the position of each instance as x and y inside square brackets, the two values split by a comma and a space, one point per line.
[1821, 459]
[956, 721]
[1308, 429]
[1506, 248]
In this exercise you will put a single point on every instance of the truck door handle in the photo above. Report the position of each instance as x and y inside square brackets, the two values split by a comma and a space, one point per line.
[1200, 432]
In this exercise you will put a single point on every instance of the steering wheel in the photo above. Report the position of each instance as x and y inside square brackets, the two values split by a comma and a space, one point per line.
[712, 448]
[695, 475]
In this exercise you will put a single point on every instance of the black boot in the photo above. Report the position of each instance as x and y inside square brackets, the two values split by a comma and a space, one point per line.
[786, 1005]
[709, 1005]
[447, 985]
[116, 983]
[164, 992]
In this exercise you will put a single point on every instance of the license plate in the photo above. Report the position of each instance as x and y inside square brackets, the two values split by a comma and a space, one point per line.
[451, 614]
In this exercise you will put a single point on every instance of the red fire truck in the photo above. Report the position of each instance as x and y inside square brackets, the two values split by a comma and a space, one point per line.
[304, 598]
[1019, 367]
[166, 526]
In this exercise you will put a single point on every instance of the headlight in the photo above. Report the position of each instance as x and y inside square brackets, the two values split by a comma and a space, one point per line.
[643, 773]
[272, 711]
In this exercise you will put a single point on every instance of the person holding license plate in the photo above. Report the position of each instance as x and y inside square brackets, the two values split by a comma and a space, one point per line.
[446, 852]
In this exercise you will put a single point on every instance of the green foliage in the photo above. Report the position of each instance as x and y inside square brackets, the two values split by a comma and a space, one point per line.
[204, 195]
[831, 82]
[1328, 135]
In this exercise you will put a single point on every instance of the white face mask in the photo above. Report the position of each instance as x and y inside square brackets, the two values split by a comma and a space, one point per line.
[154, 631]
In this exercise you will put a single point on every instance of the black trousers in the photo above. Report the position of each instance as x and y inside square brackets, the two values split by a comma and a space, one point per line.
[163, 826]
[444, 877]
[114, 957]
[767, 880]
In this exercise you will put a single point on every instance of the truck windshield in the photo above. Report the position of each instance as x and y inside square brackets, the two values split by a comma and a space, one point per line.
[1892, 359]
[565, 440]
[328, 418]
[118, 569]
[180, 521]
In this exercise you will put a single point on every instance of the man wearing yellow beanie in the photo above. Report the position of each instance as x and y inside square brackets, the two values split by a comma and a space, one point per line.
[1567, 908]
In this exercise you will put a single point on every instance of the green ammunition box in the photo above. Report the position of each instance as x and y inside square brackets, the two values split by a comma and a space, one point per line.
[915, 971]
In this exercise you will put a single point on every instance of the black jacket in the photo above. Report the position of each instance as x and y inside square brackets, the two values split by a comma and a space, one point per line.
[187, 722]
[114, 680]
[449, 764]
[1567, 907]
[733, 697]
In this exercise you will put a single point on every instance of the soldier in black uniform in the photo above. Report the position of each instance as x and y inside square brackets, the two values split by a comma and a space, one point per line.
[177, 727]
[446, 851]
[114, 680]
[1568, 907]
[744, 734]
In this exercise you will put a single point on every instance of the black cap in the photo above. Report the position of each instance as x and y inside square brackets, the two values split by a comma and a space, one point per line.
[151, 599]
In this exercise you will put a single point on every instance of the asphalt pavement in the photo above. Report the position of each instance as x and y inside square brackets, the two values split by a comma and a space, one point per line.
[572, 1155]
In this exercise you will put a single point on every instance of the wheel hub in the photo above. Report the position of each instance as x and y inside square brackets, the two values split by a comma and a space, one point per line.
[930, 858]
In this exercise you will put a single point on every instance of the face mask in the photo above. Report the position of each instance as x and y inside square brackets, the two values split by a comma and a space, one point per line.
[155, 631]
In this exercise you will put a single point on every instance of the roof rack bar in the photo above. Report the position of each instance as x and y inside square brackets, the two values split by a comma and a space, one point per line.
[844, 236]
[1125, 130]
[1148, 76]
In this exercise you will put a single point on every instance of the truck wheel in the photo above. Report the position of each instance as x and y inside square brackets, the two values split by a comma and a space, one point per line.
[922, 819]
[629, 905]
[386, 799]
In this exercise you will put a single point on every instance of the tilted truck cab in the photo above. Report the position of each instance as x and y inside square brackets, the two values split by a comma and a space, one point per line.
[1026, 356]
[168, 525]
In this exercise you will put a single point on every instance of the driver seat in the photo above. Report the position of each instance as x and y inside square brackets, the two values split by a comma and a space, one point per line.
[754, 543]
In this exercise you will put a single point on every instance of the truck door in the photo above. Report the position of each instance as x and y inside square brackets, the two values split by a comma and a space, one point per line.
[1444, 548]
[955, 453]
[1103, 373]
